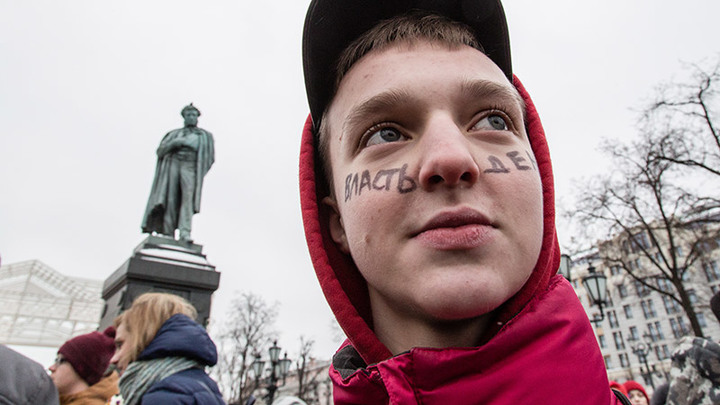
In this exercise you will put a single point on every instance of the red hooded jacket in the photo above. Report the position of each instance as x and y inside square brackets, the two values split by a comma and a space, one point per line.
[541, 350]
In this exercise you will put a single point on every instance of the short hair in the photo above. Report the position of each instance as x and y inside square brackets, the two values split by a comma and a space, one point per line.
[409, 28]
[188, 108]
[147, 314]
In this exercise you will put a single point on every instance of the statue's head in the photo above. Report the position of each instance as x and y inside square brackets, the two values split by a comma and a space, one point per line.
[190, 113]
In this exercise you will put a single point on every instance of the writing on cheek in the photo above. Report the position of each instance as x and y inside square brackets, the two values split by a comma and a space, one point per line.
[398, 179]
[520, 162]
[383, 180]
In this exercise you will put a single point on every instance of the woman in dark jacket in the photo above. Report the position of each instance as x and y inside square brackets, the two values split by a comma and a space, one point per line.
[162, 353]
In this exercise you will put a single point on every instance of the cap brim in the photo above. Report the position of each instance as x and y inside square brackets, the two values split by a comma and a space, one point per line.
[332, 25]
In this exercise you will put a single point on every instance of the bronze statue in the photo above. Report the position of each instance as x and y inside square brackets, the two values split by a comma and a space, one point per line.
[184, 157]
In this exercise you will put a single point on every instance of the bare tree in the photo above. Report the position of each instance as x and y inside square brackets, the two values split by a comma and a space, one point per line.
[653, 230]
[682, 120]
[245, 332]
[308, 373]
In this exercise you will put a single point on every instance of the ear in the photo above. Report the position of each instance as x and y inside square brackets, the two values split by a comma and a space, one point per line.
[335, 223]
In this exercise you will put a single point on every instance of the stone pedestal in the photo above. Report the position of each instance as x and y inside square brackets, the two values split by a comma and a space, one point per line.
[161, 264]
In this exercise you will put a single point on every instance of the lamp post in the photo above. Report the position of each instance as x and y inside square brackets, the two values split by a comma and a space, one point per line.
[277, 368]
[596, 286]
[564, 268]
[641, 350]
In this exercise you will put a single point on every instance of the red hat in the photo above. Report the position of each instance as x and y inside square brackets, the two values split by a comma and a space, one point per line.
[634, 385]
[90, 354]
[618, 386]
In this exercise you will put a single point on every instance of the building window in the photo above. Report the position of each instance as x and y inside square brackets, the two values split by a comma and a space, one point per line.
[625, 248]
[648, 309]
[602, 342]
[615, 270]
[665, 352]
[628, 311]
[678, 251]
[622, 291]
[658, 257]
[624, 361]
[619, 342]
[662, 352]
[612, 319]
[634, 333]
[608, 362]
[678, 327]
[671, 306]
[655, 331]
[664, 284]
[639, 242]
[641, 289]
[692, 297]
[712, 272]
[701, 319]
[660, 334]
[714, 288]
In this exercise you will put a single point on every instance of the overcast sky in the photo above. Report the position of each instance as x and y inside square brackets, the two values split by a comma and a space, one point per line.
[88, 89]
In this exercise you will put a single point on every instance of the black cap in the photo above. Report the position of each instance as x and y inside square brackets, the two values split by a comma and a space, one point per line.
[332, 25]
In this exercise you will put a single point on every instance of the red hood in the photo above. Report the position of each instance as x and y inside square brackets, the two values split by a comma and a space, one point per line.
[346, 290]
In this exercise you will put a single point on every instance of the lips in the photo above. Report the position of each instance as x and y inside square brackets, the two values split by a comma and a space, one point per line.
[457, 230]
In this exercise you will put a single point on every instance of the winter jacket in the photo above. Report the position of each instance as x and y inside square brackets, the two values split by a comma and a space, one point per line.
[695, 373]
[180, 336]
[539, 349]
[24, 381]
[97, 394]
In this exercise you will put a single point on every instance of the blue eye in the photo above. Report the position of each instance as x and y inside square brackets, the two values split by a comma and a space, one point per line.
[384, 135]
[492, 122]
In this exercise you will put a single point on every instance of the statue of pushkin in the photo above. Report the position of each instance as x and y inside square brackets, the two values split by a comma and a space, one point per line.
[183, 158]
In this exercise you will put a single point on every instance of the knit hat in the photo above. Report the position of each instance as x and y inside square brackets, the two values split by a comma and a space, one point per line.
[90, 354]
[634, 385]
[618, 386]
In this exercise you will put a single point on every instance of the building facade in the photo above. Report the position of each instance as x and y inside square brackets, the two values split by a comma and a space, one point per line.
[642, 326]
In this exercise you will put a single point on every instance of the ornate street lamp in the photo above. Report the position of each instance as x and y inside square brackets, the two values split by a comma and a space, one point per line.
[641, 350]
[564, 269]
[278, 368]
[596, 286]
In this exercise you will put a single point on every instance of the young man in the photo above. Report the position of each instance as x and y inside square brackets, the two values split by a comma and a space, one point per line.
[79, 370]
[427, 196]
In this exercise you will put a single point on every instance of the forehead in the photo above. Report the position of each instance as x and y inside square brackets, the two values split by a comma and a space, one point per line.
[120, 331]
[416, 70]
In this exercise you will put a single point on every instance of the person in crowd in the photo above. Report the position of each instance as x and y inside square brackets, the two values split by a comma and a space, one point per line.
[427, 200]
[636, 393]
[659, 396]
[161, 353]
[695, 371]
[24, 381]
[619, 387]
[80, 371]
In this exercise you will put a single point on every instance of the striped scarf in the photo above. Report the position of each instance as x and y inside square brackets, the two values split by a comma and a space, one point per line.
[141, 375]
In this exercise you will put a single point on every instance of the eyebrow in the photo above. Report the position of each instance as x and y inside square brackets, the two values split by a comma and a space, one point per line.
[485, 89]
[373, 106]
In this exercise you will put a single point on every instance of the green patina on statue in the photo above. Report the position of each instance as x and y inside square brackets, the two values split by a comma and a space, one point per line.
[184, 157]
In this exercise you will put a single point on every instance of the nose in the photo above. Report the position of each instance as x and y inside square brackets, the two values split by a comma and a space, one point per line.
[114, 358]
[52, 368]
[447, 159]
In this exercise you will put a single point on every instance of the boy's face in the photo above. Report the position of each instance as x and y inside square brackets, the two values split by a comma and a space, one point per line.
[437, 194]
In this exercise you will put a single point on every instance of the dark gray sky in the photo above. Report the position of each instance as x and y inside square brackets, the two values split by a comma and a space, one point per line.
[88, 89]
